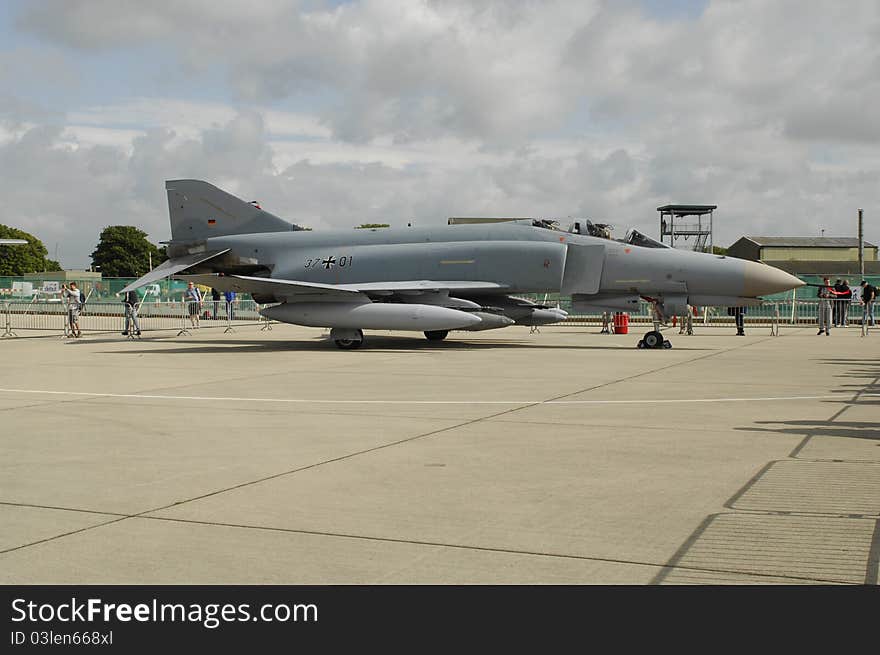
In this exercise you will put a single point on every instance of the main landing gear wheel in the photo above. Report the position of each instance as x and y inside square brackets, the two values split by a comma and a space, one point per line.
[654, 339]
[349, 343]
[436, 335]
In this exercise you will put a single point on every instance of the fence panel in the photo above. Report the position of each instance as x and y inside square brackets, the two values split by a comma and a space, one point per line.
[52, 316]
[784, 312]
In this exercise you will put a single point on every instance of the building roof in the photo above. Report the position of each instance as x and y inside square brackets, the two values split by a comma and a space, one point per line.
[834, 268]
[809, 242]
[687, 210]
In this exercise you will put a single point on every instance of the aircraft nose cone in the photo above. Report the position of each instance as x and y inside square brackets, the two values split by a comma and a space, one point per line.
[761, 279]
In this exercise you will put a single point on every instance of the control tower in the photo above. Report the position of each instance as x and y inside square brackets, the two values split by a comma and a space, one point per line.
[686, 222]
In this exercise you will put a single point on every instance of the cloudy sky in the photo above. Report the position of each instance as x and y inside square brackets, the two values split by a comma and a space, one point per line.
[335, 113]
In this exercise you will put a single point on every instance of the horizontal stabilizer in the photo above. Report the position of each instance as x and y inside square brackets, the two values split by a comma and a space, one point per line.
[172, 267]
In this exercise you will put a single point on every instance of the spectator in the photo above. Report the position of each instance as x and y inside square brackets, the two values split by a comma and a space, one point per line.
[192, 297]
[131, 302]
[826, 297]
[687, 321]
[869, 295]
[738, 314]
[845, 300]
[215, 297]
[74, 299]
[835, 306]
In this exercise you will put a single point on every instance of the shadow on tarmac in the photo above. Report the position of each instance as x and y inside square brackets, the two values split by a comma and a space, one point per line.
[372, 344]
[829, 428]
[867, 393]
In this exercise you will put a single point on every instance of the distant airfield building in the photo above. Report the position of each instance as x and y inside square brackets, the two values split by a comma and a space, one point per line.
[65, 277]
[808, 255]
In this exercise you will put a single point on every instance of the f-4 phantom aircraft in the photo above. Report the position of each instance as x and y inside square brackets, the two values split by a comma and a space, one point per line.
[433, 280]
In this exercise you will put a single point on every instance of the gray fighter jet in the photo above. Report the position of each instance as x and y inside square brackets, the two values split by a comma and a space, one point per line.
[433, 280]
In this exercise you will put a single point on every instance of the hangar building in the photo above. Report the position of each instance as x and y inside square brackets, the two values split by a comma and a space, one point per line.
[808, 255]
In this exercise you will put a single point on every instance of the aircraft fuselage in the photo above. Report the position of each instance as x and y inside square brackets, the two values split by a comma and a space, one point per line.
[522, 258]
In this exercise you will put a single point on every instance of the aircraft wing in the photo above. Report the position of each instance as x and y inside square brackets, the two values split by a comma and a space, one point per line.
[295, 290]
[423, 286]
[172, 266]
[290, 289]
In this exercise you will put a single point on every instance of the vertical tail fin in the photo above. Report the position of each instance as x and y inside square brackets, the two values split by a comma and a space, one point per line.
[199, 210]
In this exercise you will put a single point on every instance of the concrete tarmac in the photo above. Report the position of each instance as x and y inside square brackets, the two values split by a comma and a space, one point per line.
[495, 457]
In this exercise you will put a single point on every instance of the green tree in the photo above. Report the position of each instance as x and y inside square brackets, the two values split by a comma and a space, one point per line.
[370, 226]
[718, 250]
[123, 251]
[24, 258]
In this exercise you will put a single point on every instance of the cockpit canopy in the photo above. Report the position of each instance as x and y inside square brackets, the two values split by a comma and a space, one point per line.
[601, 230]
[636, 238]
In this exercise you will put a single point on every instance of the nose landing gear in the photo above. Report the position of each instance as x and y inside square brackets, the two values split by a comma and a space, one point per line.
[654, 339]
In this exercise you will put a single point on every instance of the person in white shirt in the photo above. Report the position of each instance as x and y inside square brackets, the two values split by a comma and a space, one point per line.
[73, 297]
[193, 299]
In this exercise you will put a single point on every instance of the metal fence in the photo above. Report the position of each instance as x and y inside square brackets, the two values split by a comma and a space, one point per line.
[53, 316]
[22, 288]
[784, 312]
[185, 317]
[103, 289]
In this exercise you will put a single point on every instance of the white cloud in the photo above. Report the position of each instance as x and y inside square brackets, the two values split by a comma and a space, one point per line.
[75, 136]
[190, 117]
[413, 69]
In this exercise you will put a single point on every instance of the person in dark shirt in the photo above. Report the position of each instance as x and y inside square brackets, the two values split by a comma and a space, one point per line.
[739, 314]
[869, 295]
[215, 298]
[835, 306]
[845, 298]
[131, 302]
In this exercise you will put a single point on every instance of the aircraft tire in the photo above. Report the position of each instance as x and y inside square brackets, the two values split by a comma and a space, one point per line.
[667, 344]
[350, 344]
[436, 335]
[653, 339]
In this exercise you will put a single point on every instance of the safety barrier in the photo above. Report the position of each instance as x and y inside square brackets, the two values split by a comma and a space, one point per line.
[53, 316]
[789, 312]
[183, 317]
